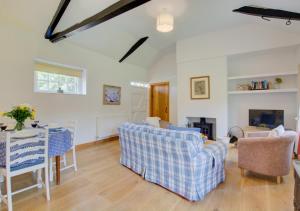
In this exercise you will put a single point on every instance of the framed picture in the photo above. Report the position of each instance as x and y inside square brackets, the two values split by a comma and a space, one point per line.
[111, 95]
[200, 87]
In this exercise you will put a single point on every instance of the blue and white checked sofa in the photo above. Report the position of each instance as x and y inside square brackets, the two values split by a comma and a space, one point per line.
[176, 160]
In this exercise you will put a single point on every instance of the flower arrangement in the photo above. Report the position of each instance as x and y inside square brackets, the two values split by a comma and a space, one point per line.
[204, 137]
[20, 113]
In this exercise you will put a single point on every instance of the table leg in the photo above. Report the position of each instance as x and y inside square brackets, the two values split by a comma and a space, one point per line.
[57, 163]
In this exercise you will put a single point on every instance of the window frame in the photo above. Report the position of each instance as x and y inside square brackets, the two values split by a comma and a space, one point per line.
[81, 82]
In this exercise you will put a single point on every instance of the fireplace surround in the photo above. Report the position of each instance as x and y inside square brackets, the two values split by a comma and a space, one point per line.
[207, 125]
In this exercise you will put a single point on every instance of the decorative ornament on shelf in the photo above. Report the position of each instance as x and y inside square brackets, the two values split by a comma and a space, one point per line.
[260, 85]
[243, 87]
[278, 82]
[20, 113]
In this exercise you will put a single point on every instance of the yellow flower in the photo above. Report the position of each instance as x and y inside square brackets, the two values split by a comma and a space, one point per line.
[1, 113]
[33, 114]
[24, 106]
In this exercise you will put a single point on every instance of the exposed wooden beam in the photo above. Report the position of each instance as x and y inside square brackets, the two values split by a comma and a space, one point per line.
[268, 13]
[112, 11]
[134, 47]
[56, 18]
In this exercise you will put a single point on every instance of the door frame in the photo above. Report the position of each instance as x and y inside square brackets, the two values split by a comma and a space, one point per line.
[152, 85]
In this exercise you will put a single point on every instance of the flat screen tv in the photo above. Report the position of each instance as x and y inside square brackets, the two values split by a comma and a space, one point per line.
[266, 118]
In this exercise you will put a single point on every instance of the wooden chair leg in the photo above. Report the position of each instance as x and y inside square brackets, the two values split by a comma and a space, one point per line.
[242, 172]
[278, 180]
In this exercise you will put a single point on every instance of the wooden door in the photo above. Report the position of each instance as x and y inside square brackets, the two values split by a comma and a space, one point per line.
[159, 101]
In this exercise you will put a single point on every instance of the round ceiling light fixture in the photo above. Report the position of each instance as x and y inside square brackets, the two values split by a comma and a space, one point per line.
[165, 22]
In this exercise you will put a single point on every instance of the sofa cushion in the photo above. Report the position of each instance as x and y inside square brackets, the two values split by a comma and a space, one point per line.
[172, 159]
[173, 127]
[153, 121]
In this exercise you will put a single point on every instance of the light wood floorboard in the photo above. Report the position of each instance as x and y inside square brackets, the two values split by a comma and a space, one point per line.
[101, 183]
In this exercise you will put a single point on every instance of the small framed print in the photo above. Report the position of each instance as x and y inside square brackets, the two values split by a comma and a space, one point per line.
[200, 88]
[111, 95]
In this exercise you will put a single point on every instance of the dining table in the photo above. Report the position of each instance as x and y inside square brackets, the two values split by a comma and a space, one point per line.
[59, 142]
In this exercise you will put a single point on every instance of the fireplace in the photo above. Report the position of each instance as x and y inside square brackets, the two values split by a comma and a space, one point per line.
[207, 125]
[206, 128]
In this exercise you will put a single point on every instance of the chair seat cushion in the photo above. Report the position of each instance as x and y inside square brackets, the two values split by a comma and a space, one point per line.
[26, 164]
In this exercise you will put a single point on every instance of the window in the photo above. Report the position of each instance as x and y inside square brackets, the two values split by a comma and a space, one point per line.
[139, 84]
[50, 78]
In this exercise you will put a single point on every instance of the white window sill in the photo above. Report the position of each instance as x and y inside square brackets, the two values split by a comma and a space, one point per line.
[65, 93]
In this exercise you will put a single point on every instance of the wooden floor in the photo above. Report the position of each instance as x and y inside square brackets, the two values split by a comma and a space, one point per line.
[101, 183]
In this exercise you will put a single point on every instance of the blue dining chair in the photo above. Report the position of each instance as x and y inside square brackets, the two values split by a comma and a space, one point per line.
[26, 151]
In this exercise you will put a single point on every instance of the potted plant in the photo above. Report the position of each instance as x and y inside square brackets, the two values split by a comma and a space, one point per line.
[20, 113]
[278, 82]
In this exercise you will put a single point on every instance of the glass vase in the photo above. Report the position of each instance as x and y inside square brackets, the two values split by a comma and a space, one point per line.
[19, 126]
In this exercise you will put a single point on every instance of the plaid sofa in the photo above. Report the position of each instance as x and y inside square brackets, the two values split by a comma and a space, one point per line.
[178, 161]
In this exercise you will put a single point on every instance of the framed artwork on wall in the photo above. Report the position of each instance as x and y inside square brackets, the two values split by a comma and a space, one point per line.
[200, 88]
[111, 95]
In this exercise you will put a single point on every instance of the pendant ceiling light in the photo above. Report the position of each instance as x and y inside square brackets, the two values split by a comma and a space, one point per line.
[165, 22]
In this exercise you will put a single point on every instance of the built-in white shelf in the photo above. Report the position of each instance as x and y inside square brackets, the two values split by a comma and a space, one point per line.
[263, 75]
[263, 91]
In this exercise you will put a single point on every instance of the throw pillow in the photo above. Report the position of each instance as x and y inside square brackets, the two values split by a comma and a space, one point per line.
[153, 121]
[280, 130]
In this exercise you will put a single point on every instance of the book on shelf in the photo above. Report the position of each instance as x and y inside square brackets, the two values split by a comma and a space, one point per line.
[260, 85]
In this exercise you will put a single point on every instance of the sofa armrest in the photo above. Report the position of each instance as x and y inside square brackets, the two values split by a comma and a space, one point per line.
[270, 156]
[252, 134]
[217, 151]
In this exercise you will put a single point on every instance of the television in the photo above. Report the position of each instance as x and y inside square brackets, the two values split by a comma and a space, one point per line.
[266, 118]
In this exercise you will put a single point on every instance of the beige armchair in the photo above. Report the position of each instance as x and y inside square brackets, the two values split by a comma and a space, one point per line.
[266, 155]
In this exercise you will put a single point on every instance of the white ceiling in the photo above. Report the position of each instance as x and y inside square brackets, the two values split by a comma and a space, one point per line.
[114, 37]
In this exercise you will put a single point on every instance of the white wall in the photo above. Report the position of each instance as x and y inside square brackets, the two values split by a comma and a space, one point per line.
[165, 70]
[276, 60]
[20, 46]
[216, 106]
[271, 61]
[239, 106]
[207, 55]
[247, 38]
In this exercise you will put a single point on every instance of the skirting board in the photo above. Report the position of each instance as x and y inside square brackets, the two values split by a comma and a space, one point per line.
[93, 143]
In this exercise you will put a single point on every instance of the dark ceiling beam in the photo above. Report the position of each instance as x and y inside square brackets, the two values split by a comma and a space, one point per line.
[112, 11]
[268, 13]
[134, 48]
[56, 18]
